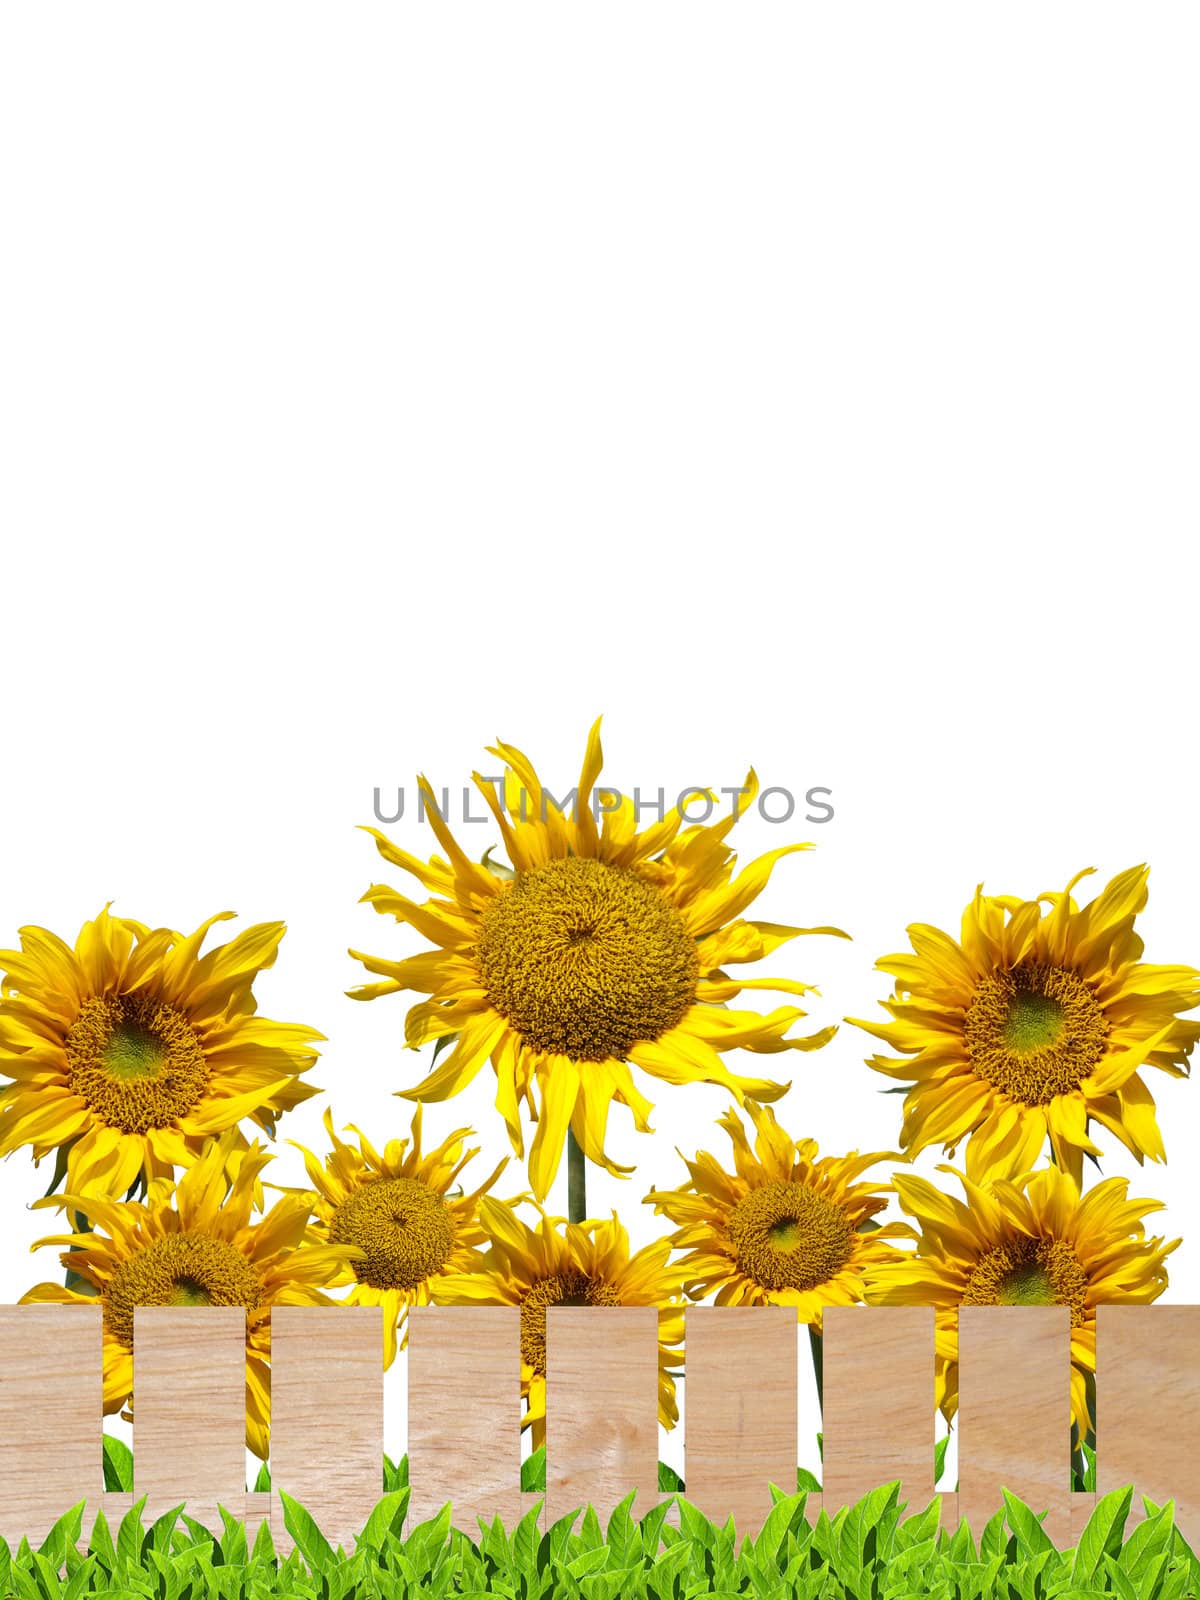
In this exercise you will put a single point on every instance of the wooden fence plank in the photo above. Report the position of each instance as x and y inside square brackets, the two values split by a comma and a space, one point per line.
[601, 1408]
[878, 1403]
[51, 1449]
[327, 1417]
[189, 1383]
[1148, 1407]
[464, 1414]
[1014, 1416]
[741, 1409]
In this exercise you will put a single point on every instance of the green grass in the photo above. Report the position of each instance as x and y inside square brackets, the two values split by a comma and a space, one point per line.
[866, 1552]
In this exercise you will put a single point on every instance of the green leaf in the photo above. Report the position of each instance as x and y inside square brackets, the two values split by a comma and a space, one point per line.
[60, 1166]
[385, 1520]
[101, 1542]
[533, 1472]
[1118, 1581]
[669, 1481]
[994, 1540]
[1032, 1538]
[589, 1561]
[525, 1541]
[80, 1580]
[306, 1536]
[784, 1517]
[696, 1527]
[64, 1535]
[623, 1536]
[922, 1525]
[130, 1536]
[1102, 1536]
[939, 1458]
[118, 1465]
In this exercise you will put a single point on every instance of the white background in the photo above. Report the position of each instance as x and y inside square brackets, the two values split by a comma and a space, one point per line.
[805, 386]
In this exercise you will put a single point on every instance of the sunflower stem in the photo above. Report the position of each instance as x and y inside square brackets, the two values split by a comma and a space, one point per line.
[576, 1179]
[814, 1345]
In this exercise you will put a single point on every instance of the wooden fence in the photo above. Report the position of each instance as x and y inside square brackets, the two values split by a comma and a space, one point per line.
[602, 1436]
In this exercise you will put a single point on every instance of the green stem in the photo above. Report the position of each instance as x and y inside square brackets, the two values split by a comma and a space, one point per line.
[814, 1345]
[576, 1180]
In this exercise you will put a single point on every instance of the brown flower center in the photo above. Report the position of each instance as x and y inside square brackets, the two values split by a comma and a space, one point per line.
[573, 1288]
[585, 959]
[790, 1236]
[403, 1225]
[182, 1269]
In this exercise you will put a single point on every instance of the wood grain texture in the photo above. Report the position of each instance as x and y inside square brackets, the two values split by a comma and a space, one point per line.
[51, 1450]
[1148, 1407]
[189, 1384]
[1014, 1413]
[601, 1408]
[327, 1417]
[464, 1414]
[878, 1403]
[741, 1415]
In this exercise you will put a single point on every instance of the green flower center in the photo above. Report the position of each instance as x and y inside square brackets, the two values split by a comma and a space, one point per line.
[1034, 1021]
[133, 1051]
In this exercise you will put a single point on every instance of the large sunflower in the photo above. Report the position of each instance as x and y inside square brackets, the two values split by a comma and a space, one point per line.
[784, 1228]
[194, 1243]
[397, 1207]
[569, 1264]
[132, 1048]
[1036, 1023]
[1028, 1241]
[598, 947]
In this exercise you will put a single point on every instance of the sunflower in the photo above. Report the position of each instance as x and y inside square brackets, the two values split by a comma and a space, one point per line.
[598, 946]
[1027, 1241]
[569, 1264]
[784, 1228]
[193, 1243]
[398, 1209]
[132, 1048]
[1035, 1024]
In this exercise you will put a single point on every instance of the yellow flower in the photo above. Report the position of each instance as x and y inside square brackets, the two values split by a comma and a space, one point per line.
[600, 946]
[132, 1048]
[397, 1207]
[193, 1243]
[1027, 1241]
[569, 1264]
[783, 1228]
[1036, 1023]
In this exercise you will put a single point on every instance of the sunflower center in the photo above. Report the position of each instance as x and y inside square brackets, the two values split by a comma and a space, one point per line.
[1030, 1272]
[572, 1288]
[1034, 1032]
[585, 959]
[136, 1061]
[789, 1236]
[182, 1269]
[403, 1225]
